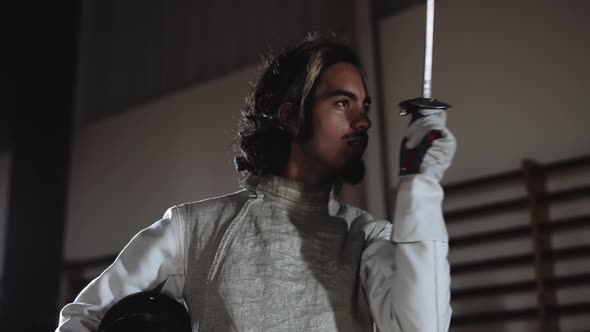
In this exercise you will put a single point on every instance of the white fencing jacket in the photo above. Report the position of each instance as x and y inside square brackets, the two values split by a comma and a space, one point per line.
[284, 256]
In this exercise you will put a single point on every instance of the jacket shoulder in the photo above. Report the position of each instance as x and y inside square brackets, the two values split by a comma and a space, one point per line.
[360, 219]
[209, 216]
[214, 204]
[348, 212]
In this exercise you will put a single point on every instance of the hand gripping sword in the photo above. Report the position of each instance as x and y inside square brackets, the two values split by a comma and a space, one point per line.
[412, 106]
[410, 159]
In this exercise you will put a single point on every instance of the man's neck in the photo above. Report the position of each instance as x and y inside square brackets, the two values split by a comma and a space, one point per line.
[302, 169]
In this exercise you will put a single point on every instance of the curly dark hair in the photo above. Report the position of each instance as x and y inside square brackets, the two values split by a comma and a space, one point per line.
[290, 75]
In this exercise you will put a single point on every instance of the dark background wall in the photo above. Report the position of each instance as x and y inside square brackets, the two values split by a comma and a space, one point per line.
[39, 79]
[137, 51]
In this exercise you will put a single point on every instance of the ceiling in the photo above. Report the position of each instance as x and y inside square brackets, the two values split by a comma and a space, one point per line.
[133, 52]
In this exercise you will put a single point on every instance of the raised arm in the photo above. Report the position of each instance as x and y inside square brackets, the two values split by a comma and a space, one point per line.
[405, 270]
[152, 256]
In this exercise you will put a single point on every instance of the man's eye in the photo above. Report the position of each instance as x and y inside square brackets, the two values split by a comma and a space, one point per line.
[366, 108]
[343, 103]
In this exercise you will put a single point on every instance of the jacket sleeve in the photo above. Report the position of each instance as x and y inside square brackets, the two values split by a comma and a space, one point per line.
[152, 256]
[405, 271]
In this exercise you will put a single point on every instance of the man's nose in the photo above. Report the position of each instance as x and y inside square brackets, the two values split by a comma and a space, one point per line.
[362, 121]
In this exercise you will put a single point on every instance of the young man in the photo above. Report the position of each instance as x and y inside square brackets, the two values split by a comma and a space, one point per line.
[282, 254]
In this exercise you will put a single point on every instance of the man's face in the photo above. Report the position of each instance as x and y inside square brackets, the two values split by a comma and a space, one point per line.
[339, 123]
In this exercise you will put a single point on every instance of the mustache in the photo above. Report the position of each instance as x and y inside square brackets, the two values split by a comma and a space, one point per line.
[357, 134]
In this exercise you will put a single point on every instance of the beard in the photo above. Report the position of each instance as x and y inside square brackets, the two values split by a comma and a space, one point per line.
[353, 172]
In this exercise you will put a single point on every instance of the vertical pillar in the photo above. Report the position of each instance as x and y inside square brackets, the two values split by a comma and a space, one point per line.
[539, 216]
[41, 70]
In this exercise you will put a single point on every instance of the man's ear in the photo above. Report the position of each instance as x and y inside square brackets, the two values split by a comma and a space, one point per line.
[288, 118]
